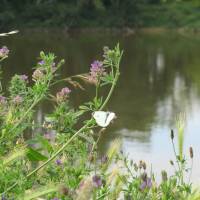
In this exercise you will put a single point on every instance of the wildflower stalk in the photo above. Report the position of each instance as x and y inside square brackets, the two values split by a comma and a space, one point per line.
[178, 162]
[77, 133]
[113, 84]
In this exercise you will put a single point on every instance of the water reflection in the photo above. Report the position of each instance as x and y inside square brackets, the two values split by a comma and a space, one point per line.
[159, 79]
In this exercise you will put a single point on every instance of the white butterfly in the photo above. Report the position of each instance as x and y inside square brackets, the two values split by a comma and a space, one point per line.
[103, 118]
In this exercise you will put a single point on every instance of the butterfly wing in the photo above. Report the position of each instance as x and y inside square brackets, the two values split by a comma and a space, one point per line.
[102, 118]
[110, 117]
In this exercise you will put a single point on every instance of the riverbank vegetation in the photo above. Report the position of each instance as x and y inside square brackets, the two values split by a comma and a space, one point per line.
[100, 13]
[58, 158]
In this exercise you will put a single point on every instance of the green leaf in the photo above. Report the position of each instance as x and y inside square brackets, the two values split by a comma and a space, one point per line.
[45, 143]
[34, 155]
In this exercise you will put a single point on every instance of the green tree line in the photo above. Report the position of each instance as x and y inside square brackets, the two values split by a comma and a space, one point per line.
[81, 13]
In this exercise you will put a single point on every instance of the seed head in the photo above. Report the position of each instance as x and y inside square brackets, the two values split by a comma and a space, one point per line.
[191, 153]
[172, 134]
[164, 175]
[171, 162]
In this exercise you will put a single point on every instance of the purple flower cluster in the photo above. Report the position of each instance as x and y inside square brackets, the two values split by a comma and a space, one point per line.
[41, 62]
[17, 100]
[146, 182]
[63, 94]
[96, 70]
[4, 52]
[97, 181]
[58, 162]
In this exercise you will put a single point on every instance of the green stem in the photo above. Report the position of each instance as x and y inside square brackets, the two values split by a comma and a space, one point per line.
[76, 134]
[111, 90]
[68, 78]
[59, 151]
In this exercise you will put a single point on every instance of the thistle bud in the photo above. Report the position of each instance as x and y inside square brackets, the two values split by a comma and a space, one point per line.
[191, 153]
[171, 162]
[164, 175]
[172, 134]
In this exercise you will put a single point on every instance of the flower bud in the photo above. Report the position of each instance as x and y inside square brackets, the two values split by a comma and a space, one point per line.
[172, 134]
[191, 153]
[171, 162]
[164, 175]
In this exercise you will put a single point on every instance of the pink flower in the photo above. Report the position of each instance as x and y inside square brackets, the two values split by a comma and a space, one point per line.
[96, 70]
[4, 52]
[63, 94]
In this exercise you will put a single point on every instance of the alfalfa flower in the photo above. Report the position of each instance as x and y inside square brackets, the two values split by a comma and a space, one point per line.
[96, 71]
[37, 74]
[146, 182]
[58, 162]
[63, 94]
[4, 51]
[41, 62]
[97, 181]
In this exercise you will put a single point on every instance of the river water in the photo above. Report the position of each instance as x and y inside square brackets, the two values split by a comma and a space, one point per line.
[160, 77]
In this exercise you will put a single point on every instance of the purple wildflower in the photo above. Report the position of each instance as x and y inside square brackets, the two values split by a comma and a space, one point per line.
[24, 77]
[146, 184]
[96, 70]
[58, 162]
[149, 183]
[37, 74]
[96, 65]
[143, 185]
[97, 181]
[17, 100]
[41, 62]
[63, 94]
[2, 100]
[4, 52]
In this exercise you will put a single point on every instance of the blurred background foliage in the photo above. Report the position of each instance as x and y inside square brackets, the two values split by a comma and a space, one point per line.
[99, 13]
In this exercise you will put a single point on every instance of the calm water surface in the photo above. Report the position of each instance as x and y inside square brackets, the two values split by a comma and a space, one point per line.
[160, 77]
